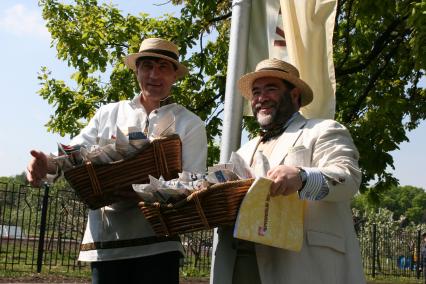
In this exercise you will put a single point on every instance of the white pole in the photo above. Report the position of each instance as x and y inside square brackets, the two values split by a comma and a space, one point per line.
[231, 132]
[233, 109]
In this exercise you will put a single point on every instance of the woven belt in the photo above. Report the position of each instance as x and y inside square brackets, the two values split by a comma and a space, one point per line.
[127, 243]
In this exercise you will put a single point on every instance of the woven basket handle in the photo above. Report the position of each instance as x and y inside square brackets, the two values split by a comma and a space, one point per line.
[96, 186]
[162, 221]
[200, 212]
[160, 160]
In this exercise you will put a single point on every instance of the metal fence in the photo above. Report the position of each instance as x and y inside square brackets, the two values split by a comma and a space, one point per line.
[391, 253]
[42, 229]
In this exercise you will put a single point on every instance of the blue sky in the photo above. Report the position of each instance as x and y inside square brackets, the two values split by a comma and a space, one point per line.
[25, 47]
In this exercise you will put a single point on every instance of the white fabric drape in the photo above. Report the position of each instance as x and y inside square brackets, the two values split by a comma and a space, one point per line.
[308, 27]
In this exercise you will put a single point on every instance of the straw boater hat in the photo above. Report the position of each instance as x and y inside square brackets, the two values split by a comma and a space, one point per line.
[157, 47]
[279, 69]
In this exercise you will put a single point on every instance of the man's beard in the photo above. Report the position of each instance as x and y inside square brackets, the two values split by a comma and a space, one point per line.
[266, 120]
[281, 111]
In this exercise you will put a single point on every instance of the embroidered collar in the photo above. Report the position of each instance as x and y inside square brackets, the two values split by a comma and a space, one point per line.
[167, 101]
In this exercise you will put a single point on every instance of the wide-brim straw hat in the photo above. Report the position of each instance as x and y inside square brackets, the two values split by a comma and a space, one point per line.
[279, 69]
[160, 48]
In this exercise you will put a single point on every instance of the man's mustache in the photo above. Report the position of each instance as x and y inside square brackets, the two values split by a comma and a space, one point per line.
[269, 104]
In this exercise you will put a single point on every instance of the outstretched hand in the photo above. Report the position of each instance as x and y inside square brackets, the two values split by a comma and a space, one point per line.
[37, 168]
[286, 180]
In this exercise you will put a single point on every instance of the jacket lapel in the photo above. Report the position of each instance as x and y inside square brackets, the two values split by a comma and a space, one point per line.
[247, 150]
[287, 140]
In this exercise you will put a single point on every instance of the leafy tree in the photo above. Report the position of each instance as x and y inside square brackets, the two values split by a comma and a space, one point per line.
[406, 200]
[17, 179]
[379, 62]
[378, 54]
[407, 203]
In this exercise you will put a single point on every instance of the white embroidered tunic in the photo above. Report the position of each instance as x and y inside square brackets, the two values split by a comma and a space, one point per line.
[120, 231]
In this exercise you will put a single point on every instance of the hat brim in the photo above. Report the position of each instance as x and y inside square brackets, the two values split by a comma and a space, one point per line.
[246, 82]
[130, 61]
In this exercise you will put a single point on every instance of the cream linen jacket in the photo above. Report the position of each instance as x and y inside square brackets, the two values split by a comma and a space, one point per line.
[330, 253]
[124, 220]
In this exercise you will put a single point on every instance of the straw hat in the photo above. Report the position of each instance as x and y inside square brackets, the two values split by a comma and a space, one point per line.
[157, 47]
[279, 69]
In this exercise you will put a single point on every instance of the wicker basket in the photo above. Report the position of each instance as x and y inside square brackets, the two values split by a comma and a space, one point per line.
[214, 206]
[99, 185]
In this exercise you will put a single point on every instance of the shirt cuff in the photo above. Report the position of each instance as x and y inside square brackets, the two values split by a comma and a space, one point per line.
[51, 178]
[316, 187]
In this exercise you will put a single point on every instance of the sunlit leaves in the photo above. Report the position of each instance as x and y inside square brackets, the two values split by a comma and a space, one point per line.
[403, 201]
[378, 74]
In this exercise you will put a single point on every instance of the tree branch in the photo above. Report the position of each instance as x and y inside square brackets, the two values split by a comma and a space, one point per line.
[207, 103]
[347, 36]
[213, 116]
[216, 115]
[373, 80]
[336, 18]
[201, 55]
[379, 45]
[220, 18]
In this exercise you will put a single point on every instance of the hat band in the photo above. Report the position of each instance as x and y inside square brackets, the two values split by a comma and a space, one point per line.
[273, 69]
[163, 52]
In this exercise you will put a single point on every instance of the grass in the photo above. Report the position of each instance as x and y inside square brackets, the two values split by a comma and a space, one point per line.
[7, 276]
[401, 280]
[22, 264]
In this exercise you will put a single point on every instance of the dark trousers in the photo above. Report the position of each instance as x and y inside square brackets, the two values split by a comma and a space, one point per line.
[245, 267]
[424, 272]
[160, 268]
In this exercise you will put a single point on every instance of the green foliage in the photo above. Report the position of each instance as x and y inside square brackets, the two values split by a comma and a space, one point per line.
[194, 272]
[407, 204]
[385, 279]
[93, 39]
[17, 179]
[378, 54]
[379, 61]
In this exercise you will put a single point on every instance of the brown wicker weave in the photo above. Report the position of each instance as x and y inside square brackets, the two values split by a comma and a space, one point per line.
[217, 205]
[98, 185]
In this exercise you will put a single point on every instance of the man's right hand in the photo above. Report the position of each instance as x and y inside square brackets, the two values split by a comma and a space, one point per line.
[37, 168]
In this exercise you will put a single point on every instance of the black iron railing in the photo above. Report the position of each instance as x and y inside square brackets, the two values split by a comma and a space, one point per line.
[41, 229]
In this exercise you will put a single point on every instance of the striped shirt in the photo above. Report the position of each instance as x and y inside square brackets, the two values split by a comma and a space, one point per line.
[316, 187]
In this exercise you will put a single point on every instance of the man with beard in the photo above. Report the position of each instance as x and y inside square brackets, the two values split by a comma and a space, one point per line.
[314, 158]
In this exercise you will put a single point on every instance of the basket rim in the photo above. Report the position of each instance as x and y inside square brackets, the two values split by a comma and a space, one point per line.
[130, 157]
[197, 193]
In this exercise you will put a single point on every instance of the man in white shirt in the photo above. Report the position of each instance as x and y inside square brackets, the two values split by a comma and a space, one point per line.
[118, 241]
